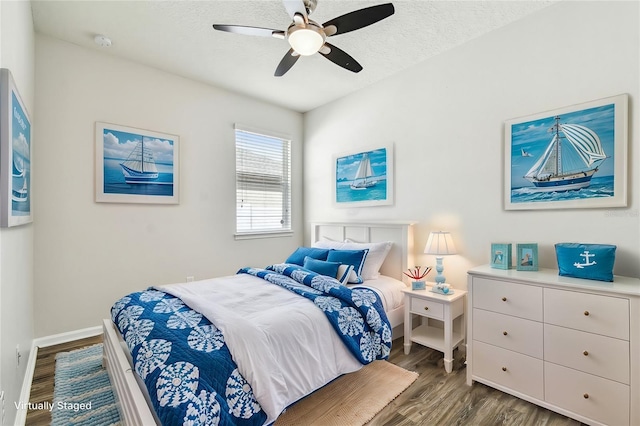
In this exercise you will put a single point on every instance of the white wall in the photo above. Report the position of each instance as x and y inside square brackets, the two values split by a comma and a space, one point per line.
[16, 244]
[89, 254]
[445, 118]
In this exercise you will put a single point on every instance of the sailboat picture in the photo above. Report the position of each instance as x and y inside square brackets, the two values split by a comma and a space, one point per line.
[568, 158]
[364, 178]
[15, 154]
[135, 165]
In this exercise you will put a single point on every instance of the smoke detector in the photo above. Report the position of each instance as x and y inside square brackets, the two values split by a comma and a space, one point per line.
[102, 40]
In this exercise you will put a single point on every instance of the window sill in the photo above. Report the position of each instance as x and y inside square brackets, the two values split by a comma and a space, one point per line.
[256, 235]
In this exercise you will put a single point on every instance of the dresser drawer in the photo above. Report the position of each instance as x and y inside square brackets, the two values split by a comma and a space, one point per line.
[516, 334]
[592, 353]
[604, 315]
[427, 308]
[599, 399]
[519, 300]
[510, 369]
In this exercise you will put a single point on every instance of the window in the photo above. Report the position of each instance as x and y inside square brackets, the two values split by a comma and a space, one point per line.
[263, 183]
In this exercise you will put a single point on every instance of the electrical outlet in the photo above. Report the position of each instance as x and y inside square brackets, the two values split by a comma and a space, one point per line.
[189, 279]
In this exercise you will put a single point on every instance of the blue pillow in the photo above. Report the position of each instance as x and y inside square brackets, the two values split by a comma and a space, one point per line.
[322, 267]
[589, 261]
[355, 258]
[297, 257]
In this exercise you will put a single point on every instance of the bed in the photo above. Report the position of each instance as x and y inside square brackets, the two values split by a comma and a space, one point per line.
[132, 396]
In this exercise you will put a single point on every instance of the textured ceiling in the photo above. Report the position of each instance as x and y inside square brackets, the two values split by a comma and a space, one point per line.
[177, 36]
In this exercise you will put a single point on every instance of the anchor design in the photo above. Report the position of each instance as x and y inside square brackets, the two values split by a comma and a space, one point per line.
[586, 256]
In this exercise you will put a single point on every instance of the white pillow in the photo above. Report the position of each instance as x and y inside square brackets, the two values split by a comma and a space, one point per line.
[377, 253]
[344, 273]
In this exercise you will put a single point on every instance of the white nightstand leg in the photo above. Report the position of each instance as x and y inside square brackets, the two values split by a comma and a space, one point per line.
[407, 325]
[448, 337]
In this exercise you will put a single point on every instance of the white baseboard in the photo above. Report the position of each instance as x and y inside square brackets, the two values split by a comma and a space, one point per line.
[42, 342]
[25, 393]
[56, 339]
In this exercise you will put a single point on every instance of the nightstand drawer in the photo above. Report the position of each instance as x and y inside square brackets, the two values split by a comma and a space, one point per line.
[516, 334]
[593, 313]
[596, 398]
[515, 371]
[427, 308]
[592, 353]
[518, 300]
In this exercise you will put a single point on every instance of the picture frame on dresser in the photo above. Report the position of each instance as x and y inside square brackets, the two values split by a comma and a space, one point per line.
[527, 257]
[501, 255]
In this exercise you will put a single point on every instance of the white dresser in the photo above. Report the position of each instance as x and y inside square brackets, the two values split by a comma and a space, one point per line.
[566, 344]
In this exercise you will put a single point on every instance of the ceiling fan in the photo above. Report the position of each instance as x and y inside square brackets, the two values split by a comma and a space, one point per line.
[307, 37]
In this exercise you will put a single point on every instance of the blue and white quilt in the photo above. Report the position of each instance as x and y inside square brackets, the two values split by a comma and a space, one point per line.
[201, 358]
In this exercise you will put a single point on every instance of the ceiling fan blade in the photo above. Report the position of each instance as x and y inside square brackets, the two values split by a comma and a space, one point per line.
[286, 63]
[340, 57]
[359, 19]
[296, 7]
[253, 31]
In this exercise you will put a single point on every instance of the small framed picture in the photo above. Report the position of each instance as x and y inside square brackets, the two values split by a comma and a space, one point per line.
[418, 285]
[501, 255]
[527, 257]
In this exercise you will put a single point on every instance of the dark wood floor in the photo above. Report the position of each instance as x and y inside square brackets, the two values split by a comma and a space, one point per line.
[435, 398]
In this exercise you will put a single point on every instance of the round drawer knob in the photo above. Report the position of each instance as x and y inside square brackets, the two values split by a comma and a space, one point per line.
[504, 333]
[586, 396]
[504, 368]
[585, 353]
[504, 299]
[426, 308]
[586, 313]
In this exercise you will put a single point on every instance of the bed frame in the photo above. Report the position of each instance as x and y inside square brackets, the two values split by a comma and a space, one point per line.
[133, 402]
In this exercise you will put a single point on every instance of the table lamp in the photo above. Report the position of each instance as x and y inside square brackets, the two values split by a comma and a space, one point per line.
[440, 244]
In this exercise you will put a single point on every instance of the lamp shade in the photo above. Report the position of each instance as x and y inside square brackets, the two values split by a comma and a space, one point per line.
[440, 243]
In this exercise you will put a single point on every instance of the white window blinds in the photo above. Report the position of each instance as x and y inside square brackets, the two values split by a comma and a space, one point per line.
[263, 183]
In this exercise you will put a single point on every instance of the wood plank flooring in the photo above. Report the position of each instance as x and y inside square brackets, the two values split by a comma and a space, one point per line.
[43, 377]
[435, 398]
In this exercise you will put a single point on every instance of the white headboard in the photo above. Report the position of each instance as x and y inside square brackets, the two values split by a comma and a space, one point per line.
[401, 234]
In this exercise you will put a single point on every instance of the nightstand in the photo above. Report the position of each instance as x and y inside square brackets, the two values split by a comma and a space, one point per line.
[434, 306]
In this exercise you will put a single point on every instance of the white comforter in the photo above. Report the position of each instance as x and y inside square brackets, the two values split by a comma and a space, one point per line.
[283, 344]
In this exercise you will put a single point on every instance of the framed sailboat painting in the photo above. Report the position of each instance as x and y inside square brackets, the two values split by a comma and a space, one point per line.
[571, 157]
[364, 178]
[136, 166]
[15, 155]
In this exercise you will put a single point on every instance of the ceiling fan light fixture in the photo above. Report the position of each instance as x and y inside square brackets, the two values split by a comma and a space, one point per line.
[306, 40]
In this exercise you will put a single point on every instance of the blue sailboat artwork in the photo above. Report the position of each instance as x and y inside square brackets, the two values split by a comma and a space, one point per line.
[137, 164]
[362, 177]
[564, 157]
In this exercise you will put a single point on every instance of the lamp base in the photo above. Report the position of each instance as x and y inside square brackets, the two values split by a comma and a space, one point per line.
[440, 279]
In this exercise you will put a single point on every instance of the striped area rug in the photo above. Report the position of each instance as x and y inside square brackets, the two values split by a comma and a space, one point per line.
[82, 392]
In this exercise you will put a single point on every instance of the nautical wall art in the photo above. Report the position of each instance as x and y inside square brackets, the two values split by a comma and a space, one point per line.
[136, 166]
[572, 157]
[364, 178]
[15, 155]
